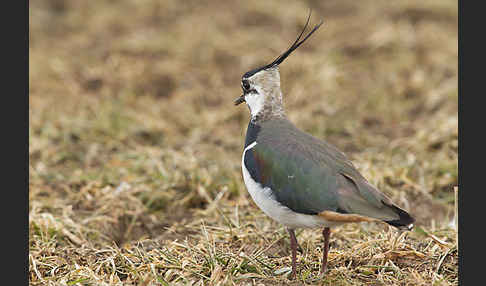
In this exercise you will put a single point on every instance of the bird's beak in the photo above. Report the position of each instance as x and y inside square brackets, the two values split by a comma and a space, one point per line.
[240, 99]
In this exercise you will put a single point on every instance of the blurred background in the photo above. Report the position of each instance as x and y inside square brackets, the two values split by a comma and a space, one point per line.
[133, 131]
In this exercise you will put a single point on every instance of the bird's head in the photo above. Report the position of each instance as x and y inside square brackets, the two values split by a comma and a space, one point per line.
[261, 86]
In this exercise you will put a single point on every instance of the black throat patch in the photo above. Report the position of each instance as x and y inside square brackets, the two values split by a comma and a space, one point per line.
[251, 133]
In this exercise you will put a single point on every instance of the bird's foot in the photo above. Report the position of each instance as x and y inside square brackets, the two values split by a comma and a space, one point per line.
[322, 274]
[323, 269]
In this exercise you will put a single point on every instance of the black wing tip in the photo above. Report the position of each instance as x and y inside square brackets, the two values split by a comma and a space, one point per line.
[405, 220]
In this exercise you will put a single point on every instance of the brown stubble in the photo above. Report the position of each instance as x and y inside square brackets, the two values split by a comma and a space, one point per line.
[135, 145]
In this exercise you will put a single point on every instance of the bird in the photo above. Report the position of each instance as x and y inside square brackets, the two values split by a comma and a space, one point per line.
[297, 179]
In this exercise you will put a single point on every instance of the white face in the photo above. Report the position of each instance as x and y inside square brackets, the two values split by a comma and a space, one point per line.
[262, 91]
[255, 100]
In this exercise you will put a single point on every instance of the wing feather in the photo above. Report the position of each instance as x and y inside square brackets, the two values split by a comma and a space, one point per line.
[310, 176]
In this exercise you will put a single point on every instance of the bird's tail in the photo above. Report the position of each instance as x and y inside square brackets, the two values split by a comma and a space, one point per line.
[357, 196]
[404, 221]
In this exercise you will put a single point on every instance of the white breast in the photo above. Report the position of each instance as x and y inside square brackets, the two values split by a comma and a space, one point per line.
[266, 201]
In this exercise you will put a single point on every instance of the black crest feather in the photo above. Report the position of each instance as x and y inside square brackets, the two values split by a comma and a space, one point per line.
[292, 48]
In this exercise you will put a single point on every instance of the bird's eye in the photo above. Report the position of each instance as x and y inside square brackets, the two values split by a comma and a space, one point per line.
[245, 84]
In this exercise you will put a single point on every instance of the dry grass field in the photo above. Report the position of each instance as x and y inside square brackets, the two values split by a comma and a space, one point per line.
[135, 144]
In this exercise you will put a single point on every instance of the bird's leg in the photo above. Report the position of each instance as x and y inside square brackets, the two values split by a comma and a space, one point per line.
[326, 233]
[293, 246]
[299, 248]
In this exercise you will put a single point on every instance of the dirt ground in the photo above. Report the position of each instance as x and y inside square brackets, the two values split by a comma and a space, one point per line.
[135, 144]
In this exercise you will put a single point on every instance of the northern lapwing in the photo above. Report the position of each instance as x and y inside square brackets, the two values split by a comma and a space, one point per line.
[297, 179]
